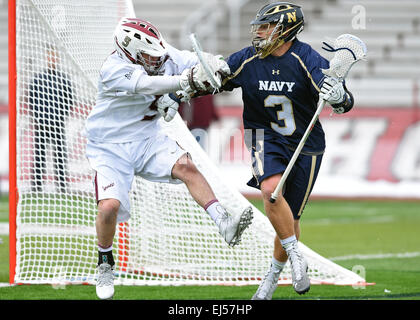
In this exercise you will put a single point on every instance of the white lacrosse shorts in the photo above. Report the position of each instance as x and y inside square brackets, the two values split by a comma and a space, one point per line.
[116, 164]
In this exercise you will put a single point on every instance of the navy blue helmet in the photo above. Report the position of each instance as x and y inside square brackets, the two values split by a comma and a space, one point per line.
[287, 20]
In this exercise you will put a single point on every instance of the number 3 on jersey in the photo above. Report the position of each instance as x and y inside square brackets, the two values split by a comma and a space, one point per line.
[285, 116]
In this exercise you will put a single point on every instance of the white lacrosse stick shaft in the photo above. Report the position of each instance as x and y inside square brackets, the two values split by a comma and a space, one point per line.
[296, 154]
[215, 81]
[339, 68]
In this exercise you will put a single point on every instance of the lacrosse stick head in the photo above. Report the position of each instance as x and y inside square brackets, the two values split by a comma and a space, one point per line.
[348, 49]
[215, 82]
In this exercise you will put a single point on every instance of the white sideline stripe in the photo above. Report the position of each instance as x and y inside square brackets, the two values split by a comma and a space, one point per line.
[378, 219]
[376, 256]
[5, 284]
[4, 228]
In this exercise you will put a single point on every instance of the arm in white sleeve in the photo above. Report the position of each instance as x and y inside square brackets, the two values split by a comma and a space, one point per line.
[158, 85]
[183, 59]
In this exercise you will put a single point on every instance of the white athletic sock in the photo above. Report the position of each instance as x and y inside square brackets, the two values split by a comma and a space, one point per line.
[103, 249]
[286, 243]
[214, 209]
[276, 265]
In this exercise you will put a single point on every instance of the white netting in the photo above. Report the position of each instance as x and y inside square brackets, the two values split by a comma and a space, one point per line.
[169, 239]
[348, 50]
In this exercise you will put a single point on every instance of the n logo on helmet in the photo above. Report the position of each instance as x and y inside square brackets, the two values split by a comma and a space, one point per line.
[291, 16]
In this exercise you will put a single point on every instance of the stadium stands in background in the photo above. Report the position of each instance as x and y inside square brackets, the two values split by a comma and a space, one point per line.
[391, 30]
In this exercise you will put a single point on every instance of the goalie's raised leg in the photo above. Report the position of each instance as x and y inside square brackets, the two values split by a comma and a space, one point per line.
[231, 226]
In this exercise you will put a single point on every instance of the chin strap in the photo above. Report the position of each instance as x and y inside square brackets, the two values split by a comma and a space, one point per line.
[265, 53]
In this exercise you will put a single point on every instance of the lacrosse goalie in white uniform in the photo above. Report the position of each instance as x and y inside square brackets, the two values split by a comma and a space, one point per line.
[124, 136]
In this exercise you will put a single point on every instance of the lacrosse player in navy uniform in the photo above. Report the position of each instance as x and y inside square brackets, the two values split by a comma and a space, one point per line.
[282, 80]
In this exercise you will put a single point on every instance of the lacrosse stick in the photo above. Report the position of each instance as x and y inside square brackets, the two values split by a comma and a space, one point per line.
[214, 81]
[348, 50]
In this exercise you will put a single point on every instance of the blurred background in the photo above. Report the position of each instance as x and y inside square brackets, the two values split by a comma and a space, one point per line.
[373, 152]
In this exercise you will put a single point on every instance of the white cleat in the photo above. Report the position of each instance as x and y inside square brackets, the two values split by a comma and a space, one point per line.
[299, 268]
[105, 282]
[231, 228]
[267, 286]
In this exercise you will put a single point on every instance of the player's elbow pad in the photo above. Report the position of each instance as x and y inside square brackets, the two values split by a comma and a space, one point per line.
[346, 105]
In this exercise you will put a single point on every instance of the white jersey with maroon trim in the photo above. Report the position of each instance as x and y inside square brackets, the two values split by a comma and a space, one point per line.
[124, 109]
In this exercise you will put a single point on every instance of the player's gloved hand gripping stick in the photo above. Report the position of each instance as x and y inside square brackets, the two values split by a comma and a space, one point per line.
[212, 65]
[207, 76]
[348, 50]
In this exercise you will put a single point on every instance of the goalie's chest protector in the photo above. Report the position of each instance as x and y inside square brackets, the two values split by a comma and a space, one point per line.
[280, 94]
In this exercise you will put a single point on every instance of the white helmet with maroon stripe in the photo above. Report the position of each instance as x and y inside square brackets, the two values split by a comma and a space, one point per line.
[139, 42]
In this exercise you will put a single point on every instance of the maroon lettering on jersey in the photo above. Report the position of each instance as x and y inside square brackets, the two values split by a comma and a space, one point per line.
[148, 118]
[153, 105]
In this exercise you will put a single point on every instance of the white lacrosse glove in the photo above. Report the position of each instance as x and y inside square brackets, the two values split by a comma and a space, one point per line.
[196, 79]
[332, 91]
[193, 79]
[217, 64]
[167, 107]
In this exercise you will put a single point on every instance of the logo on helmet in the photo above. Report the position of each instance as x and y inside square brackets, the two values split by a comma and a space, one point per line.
[138, 41]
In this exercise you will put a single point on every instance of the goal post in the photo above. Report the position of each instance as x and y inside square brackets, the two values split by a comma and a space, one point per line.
[58, 48]
[12, 138]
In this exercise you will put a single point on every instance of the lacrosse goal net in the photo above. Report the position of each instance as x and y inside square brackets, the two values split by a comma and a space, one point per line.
[56, 51]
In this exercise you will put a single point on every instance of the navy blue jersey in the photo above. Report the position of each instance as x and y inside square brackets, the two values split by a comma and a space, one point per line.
[280, 94]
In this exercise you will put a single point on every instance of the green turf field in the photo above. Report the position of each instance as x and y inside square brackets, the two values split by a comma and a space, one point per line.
[382, 238]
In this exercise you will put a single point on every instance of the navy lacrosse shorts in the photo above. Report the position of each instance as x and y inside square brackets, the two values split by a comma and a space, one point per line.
[270, 157]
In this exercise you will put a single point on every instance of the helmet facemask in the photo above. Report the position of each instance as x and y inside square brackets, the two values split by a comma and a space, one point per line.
[264, 46]
[152, 65]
